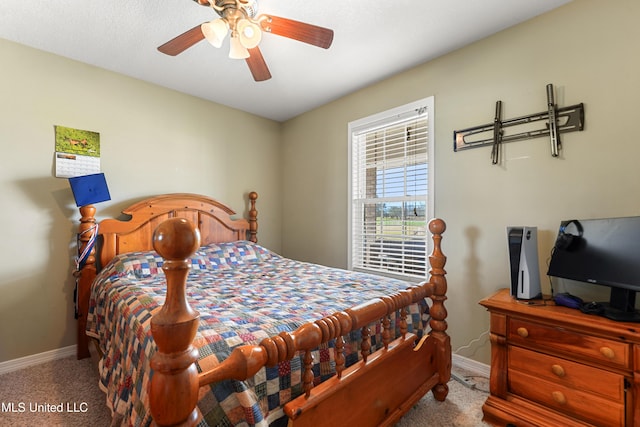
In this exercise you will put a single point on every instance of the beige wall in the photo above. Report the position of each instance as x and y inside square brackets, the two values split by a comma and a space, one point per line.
[153, 141]
[586, 49]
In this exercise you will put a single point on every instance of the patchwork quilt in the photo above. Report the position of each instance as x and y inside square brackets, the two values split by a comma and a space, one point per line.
[244, 293]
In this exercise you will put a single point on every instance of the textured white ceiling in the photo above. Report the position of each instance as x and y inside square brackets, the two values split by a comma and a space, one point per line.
[373, 40]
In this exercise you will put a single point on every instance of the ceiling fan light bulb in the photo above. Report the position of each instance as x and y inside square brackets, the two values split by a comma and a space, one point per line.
[237, 51]
[249, 33]
[215, 31]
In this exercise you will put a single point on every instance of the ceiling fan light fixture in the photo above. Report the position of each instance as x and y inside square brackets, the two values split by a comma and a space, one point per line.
[215, 31]
[237, 50]
[249, 6]
[240, 20]
[249, 33]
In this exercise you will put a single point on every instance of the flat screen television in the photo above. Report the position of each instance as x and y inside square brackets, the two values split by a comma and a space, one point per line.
[603, 252]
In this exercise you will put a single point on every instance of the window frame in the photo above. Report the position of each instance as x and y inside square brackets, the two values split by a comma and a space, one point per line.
[387, 119]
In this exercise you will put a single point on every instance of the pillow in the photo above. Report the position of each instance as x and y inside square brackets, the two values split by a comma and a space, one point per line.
[145, 264]
[232, 254]
[216, 256]
[138, 264]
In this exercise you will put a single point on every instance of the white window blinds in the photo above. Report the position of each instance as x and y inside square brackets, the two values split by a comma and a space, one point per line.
[390, 189]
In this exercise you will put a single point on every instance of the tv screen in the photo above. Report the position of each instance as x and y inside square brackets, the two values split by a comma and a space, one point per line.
[603, 252]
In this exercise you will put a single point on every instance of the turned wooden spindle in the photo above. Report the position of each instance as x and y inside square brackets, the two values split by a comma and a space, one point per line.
[307, 373]
[404, 326]
[386, 332]
[438, 312]
[339, 356]
[437, 261]
[253, 217]
[85, 276]
[175, 376]
[398, 301]
[342, 325]
[365, 345]
[86, 231]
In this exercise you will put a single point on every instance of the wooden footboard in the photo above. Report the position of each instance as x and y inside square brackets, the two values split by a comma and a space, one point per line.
[375, 391]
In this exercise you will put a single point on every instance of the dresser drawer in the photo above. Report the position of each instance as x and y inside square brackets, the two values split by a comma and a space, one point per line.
[608, 385]
[597, 350]
[575, 403]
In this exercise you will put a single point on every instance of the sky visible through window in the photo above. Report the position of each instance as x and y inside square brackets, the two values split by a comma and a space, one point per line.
[391, 182]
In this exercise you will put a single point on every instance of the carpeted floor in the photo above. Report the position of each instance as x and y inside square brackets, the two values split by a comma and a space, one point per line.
[65, 393]
[61, 393]
[462, 408]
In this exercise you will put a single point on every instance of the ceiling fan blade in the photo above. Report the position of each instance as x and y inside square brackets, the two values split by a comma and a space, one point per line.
[182, 42]
[257, 65]
[306, 33]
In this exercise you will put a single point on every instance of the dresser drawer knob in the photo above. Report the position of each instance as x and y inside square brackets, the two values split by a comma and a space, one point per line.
[607, 352]
[558, 370]
[523, 332]
[559, 397]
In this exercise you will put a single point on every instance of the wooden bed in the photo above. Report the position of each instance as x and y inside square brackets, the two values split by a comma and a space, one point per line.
[375, 391]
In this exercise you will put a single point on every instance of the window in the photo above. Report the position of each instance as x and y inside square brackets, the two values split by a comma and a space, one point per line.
[391, 190]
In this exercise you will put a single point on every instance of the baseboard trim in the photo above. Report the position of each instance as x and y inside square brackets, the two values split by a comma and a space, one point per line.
[475, 367]
[36, 359]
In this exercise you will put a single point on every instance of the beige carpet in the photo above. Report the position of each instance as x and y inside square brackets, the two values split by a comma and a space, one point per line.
[462, 408]
[36, 392]
[65, 393]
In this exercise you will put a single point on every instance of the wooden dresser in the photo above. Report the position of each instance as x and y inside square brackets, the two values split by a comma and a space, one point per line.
[555, 366]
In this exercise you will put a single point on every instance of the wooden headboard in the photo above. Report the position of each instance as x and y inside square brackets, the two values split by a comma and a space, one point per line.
[212, 218]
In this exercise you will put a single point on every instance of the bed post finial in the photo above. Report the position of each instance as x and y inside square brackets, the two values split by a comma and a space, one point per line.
[174, 386]
[253, 218]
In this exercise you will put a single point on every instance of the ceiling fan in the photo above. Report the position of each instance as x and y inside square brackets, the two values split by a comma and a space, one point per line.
[239, 19]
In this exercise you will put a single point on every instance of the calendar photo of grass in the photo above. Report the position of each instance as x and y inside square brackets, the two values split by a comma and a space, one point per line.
[76, 141]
